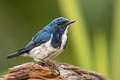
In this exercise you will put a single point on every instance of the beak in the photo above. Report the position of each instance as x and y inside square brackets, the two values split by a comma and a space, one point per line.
[70, 22]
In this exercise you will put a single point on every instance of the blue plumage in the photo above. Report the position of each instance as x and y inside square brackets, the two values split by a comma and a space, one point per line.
[47, 43]
[39, 38]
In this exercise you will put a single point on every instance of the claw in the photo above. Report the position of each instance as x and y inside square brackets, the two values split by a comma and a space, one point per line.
[50, 65]
[41, 62]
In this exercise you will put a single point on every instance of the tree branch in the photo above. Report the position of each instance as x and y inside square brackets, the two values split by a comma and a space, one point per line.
[32, 71]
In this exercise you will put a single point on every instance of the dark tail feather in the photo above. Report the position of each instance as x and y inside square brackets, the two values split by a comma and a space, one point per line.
[15, 54]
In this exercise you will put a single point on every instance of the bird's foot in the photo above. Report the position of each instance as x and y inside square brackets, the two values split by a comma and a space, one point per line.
[51, 65]
[41, 63]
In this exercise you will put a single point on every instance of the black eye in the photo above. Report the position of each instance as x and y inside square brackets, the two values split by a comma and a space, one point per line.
[59, 23]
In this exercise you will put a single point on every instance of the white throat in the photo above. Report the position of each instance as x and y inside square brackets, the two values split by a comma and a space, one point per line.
[64, 37]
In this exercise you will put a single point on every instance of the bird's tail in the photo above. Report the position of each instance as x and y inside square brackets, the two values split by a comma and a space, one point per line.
[15, 54]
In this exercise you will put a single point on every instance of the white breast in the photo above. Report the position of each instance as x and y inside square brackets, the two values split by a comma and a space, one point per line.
[42, 51]
[46, 51]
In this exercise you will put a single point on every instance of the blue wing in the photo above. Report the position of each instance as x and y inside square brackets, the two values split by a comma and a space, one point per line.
[41, 37]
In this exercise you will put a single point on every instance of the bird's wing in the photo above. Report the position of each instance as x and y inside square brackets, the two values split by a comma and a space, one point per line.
[38, 39]
[41, 37]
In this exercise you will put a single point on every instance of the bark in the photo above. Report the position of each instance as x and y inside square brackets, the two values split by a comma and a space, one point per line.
[32, 71]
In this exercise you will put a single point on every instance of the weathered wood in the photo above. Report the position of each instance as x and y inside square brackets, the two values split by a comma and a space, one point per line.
[32, 71]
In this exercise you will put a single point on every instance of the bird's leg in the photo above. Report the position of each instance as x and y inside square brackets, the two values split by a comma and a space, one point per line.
[41, 62]
[50, 64]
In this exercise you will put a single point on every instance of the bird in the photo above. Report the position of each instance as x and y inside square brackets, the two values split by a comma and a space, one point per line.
[47, 43]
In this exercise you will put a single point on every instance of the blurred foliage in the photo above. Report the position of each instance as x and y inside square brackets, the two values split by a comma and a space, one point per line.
[93, 43]
[69, 9]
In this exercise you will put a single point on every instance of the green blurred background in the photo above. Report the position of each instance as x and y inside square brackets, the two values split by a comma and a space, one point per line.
[94, 39]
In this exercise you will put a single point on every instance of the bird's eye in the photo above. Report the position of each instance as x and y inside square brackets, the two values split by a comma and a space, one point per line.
[59, 23]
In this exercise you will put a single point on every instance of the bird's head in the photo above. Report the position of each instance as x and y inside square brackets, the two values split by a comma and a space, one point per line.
[60, 24]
